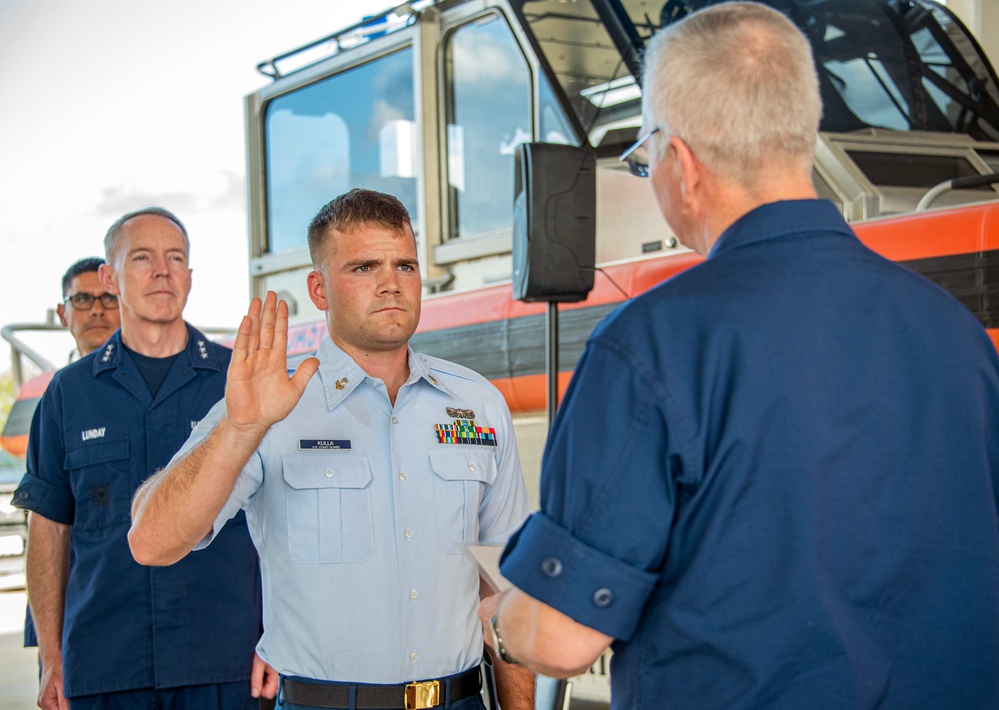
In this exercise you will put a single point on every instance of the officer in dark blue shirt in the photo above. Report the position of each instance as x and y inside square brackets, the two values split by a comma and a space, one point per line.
[786, 497]
[90, 314]
[113, 634]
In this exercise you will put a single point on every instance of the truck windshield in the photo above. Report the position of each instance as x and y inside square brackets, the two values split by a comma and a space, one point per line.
[882, 64]
[320, 144]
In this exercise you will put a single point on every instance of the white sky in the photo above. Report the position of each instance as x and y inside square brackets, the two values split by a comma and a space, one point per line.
[111, 105]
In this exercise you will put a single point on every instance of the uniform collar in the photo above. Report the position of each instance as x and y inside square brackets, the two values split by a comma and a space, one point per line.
[780, 220]
[341, 375]
[197, 353]
[419, 369]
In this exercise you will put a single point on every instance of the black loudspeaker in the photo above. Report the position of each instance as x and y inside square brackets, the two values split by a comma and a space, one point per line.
[554, 222]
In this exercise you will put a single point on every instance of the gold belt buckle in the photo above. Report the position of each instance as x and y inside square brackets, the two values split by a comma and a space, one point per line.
[425, 694]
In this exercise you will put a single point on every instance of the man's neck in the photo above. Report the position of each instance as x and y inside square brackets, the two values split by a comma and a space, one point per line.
[733, 202]
[389, 366]
[154, 339]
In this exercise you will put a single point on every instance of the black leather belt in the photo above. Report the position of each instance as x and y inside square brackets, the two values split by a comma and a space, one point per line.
[408, 696]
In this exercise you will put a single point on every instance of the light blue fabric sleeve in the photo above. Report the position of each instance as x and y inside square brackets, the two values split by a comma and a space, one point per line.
[247, 483]
[505, 506]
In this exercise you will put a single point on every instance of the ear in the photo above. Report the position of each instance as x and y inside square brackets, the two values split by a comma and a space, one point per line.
[61, 312]
[317, 290]
[109, 279]
[688, 170]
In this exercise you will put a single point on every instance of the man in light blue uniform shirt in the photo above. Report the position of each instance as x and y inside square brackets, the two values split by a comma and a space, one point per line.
[361, 486]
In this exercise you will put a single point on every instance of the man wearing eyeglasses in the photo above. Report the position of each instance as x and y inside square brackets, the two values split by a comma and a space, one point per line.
[114, 635]
[786, 497]
[87, 309]
[91, 315]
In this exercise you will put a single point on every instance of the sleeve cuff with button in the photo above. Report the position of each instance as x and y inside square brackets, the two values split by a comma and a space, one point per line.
[49, 501]
[547, 562]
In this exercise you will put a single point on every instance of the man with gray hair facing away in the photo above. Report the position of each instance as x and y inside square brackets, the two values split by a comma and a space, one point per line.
[788, 496]
[114, 635]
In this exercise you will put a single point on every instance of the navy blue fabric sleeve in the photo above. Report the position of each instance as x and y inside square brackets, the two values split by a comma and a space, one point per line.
[592, 587]
[608, 493]
[45, 487]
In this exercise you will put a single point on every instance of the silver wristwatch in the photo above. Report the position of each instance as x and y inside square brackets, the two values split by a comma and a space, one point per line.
[498, 642]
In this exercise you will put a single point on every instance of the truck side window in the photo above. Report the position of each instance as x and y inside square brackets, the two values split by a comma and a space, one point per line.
[554, 126]
[488, 107]
[320, 144]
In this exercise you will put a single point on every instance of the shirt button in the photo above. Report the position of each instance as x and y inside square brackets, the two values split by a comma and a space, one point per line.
[329, 473]
[395, 420]
[413, 594]
[402, 475]
[414, 656]
[552, 567]
[409, 534]
[472, 467]
[603, 597]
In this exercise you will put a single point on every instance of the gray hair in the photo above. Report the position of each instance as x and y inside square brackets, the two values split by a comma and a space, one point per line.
[113, 237]
[737, 83]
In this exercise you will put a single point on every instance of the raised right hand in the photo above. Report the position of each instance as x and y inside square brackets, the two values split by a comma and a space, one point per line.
[259, 392]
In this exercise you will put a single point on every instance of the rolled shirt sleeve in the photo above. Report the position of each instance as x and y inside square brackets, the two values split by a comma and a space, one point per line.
[547, 562]
[609, 484]
[45, 488]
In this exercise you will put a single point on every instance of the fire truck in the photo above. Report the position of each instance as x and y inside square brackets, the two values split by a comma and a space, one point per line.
[436, 102]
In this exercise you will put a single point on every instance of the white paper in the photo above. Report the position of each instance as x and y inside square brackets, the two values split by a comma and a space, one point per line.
[488, 557]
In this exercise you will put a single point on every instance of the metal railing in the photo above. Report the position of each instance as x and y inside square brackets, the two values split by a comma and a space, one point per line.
[19, 349]
[369, 28]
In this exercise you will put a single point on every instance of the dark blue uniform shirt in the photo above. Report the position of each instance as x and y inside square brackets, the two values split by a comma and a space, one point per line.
[773, 481]
[97, 435]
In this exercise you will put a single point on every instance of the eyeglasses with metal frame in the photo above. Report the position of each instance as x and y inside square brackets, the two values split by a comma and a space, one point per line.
[85, 301]
[637, 156]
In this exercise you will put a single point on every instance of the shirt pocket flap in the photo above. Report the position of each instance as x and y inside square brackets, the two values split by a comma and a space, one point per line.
[338, 471]
[96, 453]
[463, 465]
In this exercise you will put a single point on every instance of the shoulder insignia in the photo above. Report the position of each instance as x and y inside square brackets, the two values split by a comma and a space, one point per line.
[202, 351]
[107, 352]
